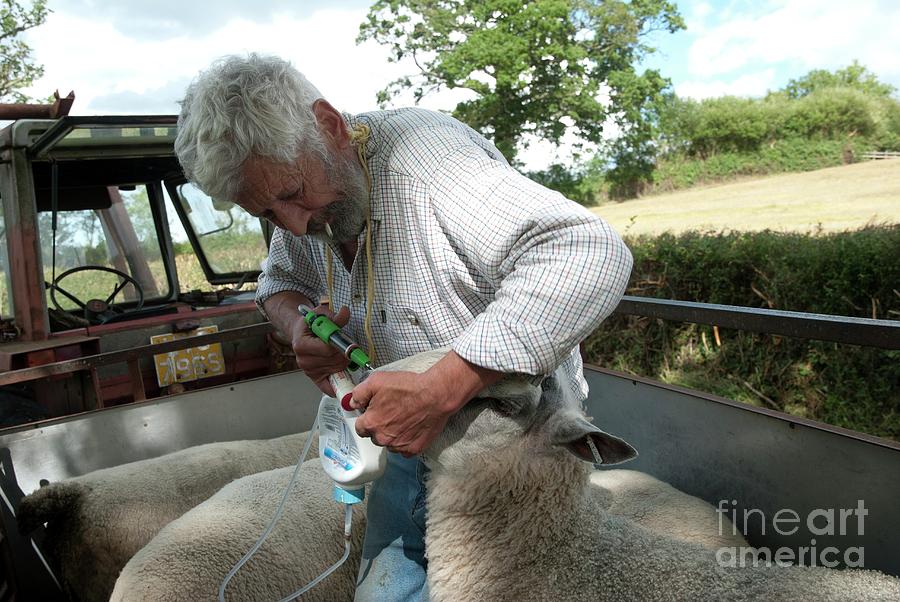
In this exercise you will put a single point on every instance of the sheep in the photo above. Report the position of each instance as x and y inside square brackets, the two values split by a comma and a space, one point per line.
[659, 507]
[188, 559]
[163, 570]
[511, 516]
[98, 521]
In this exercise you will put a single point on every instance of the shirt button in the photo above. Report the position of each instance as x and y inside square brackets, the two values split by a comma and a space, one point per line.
[357, 298]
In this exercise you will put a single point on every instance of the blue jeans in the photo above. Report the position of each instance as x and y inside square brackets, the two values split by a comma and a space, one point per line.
[393, 556]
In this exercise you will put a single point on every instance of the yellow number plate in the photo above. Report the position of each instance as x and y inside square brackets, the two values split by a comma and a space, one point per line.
[188, 364]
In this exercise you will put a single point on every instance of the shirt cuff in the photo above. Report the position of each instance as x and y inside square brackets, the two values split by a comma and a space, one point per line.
[504, 347]
[273, 288]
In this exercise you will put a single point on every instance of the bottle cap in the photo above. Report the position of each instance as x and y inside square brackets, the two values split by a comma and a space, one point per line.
[345, 402]
[349, 496]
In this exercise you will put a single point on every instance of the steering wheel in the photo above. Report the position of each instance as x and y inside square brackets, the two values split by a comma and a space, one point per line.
[98, 311]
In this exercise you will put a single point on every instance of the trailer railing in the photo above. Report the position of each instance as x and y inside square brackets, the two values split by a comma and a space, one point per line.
[884, 334]
[867, 332]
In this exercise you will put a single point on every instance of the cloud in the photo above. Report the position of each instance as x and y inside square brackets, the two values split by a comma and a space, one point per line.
[750, 84]
[111, 70]
[802, 34]
[164, 19]
[157, 101]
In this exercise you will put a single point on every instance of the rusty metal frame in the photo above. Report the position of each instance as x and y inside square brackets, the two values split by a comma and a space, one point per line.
[23, 248]
[131, 355]
[58, 108]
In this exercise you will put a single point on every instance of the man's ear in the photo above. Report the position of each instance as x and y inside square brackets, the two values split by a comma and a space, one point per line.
[331, 124]
[575, 434]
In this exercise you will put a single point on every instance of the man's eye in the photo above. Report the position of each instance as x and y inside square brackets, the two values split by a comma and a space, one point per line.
[291, 196]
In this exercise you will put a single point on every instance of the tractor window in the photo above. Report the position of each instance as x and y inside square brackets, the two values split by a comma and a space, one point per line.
[230, 239]
[122, 238]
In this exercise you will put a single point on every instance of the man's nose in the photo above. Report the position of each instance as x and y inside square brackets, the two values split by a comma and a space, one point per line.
[295, 220]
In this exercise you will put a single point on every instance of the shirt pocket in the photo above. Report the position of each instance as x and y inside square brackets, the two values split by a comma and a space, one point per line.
[412, 330]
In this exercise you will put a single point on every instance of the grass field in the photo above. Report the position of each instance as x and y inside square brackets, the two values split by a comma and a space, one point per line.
[833, 199]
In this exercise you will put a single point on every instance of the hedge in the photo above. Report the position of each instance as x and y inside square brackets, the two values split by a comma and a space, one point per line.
[853, 273]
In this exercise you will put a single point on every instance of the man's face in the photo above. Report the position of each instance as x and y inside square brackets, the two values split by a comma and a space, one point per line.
[303, 196]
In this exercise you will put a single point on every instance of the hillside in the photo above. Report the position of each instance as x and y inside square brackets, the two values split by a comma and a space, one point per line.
[836, 198]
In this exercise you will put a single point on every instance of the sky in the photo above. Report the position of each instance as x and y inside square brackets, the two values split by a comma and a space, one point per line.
[133, 56]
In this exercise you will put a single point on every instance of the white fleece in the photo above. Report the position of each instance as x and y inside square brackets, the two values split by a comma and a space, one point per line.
[188, 559]
[528, 526]
[659, 507]
[98, 521]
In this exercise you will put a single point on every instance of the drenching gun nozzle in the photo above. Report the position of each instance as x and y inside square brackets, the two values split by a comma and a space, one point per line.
[330, 333]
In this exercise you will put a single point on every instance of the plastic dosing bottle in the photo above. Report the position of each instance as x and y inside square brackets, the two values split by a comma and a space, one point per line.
[349, 460]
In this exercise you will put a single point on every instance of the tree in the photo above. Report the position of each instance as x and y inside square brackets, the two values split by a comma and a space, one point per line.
[536, 67]
[16, 68]
[641, 101]
[853, 76]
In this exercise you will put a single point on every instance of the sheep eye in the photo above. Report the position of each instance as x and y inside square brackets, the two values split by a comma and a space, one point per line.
[504, 406]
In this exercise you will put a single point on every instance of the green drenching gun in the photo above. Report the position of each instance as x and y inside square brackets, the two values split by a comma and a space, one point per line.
[330, 333]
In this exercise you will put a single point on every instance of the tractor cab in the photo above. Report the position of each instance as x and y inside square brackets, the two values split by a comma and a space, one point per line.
[104, 248]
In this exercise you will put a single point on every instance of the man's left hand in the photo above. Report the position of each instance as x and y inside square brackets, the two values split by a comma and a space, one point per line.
[405, 411]
[402, 412]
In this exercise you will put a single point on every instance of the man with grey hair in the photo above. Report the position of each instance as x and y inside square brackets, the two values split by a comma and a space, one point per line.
[419, 230]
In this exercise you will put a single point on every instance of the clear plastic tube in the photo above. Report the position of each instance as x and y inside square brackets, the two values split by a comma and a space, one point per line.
[275, 518]
[348, 517]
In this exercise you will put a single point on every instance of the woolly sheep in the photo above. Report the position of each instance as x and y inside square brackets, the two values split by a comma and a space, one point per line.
[659, 507]
[628, 493]
[188, 559]
[98, 521]
[510, 516]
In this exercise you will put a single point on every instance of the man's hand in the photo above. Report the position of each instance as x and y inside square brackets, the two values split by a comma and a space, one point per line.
[405, 411]
[317, 359]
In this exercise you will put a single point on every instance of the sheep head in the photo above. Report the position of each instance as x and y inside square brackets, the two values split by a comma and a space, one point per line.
[513, 411]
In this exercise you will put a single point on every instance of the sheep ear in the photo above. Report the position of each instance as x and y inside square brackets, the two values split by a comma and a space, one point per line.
[574, 434]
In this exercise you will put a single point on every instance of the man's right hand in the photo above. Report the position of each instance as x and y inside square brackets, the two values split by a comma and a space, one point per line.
[317, 359]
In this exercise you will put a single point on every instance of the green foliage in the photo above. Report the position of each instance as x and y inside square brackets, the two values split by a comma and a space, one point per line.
[583, 184]
[633, 153]
[533, 67]
[817, 121]
[809, 126]
[843, 274]
[887, 124]
[840, 274]
[16, 69]
[829, 112]
[732, 124]
[680, 171]
[97, 255]
[728, 124]
[853, 76]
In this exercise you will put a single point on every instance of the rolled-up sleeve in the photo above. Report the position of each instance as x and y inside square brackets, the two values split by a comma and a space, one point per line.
[287, 268]
[557, 269]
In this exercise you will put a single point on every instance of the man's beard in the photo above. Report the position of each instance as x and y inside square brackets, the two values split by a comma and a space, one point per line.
[347, 215]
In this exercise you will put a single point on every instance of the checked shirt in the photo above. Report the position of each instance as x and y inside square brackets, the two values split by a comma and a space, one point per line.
[467, 253]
